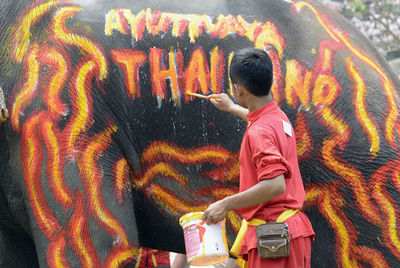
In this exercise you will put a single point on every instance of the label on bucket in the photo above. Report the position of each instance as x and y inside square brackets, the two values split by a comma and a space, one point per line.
[193, 238]
[205, 244]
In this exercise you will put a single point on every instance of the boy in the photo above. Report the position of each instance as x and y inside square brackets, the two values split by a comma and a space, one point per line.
[270, 180]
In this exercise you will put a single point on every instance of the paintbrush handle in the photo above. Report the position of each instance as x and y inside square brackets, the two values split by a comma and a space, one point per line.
[199, 95]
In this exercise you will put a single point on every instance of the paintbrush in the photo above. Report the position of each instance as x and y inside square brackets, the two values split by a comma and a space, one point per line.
[200, 95]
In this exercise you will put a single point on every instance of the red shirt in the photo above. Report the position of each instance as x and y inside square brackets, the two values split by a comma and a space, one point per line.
[268, 150]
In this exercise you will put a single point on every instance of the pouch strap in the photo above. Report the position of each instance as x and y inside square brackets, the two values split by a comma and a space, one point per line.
[239, 239]
[287, 214]
[254, 222]
[242, 231]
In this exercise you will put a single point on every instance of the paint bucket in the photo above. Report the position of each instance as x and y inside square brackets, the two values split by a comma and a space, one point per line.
[205, 244]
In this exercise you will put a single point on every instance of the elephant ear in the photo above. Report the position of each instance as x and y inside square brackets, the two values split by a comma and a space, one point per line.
[110, 108]
[129, 153]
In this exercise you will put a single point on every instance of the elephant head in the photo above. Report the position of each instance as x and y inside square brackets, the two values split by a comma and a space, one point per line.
[104, 149]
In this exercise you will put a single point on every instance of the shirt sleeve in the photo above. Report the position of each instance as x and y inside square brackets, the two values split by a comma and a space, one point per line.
[266, 156]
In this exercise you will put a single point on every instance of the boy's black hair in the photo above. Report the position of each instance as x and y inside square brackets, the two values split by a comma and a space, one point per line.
[252, 68]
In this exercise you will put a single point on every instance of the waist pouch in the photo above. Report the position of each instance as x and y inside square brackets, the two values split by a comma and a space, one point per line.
[273, 240]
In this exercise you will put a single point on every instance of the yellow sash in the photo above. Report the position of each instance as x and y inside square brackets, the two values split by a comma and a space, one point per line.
[254, 222]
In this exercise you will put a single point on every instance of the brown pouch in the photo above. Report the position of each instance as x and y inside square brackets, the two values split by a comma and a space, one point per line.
[273, 240]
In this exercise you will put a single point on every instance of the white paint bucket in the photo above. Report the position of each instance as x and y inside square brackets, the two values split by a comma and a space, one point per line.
[205, 244]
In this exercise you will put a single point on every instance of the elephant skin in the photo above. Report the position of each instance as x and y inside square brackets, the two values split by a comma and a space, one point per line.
[103, 149]
[395, 64]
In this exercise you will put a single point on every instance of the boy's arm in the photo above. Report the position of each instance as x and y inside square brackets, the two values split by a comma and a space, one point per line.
[262, 192]
[225, 104]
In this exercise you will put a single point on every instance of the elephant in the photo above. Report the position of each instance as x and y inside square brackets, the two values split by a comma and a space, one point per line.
[395, 64]
[103, 149]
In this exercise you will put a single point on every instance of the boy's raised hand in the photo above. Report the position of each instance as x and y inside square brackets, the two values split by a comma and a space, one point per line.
[222, 102]
[226, 104]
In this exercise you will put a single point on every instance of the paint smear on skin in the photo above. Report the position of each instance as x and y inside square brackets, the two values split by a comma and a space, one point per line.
[56, 257]
[120, 256]
[388, 206]
[81, 99]
[23, 32]
[32, 160]
[29, 89]
[90, 48]
[341, 135]
[158, 150]
[345, 242]
[121, 179]
[303, 141]
[92, 181]
[60, 68]
[78, 233]
[55, 165]
[163, 169]
[370, 127]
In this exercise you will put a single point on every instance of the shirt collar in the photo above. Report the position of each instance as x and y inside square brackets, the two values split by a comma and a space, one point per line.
[267, 108]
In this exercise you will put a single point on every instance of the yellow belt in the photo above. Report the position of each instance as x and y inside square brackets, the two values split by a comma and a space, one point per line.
[254, 222]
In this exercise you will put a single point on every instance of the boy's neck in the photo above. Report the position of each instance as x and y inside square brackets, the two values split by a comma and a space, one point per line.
[254, 102]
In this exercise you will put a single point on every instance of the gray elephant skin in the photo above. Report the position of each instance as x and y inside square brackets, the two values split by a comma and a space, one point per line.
[103, 149]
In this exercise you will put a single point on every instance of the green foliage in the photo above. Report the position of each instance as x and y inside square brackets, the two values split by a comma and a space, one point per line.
[357, 8]
[379, 20]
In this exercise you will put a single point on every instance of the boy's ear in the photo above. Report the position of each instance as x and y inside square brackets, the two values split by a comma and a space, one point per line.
[240, 90]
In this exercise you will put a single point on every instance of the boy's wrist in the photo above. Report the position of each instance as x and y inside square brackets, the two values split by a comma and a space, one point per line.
[234, 108]
[228, 203]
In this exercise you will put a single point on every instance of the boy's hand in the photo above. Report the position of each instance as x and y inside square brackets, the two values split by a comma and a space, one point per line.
[225, 104]
[222, 102]
[215, 212]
